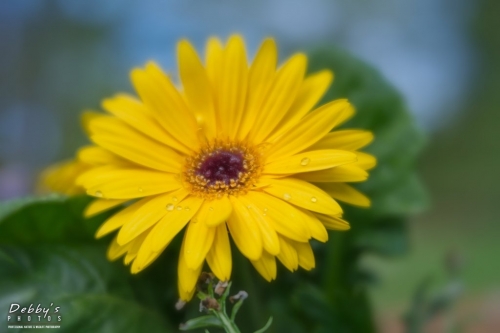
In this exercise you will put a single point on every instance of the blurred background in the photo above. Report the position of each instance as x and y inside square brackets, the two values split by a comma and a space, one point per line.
[60, 57]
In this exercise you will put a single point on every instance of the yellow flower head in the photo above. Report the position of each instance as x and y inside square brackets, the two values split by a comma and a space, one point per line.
[231, 147]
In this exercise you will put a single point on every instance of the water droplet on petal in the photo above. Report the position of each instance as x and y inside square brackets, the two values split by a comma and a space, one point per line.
[313, 199]
[170, 207]
[174, 199]
[265, 209]
[179, 208]
[211, 209]
[98, 194]
[140, 189]
[287, 196]
[186, 208]
[305, 161]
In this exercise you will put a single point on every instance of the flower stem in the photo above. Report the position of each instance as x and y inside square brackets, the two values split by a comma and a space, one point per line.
[227, 323]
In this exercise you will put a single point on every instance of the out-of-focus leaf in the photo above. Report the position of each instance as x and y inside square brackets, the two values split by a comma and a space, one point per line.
[389, 238]
[11, 206]
[404, 196]
[54, 219]
[48, 254]
[93, 294]
[398, 141]
[203, 321]
[266, 326]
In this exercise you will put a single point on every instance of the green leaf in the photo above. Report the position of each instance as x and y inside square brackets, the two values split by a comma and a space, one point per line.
[407, 196]
[200, 322]
[93, 294]
[48, 254]
[266, 326]
[388, 237]
[54, 219]
[11, 206]
[398, 141]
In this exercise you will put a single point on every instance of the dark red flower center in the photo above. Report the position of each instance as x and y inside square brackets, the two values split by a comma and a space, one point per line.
[222, 166]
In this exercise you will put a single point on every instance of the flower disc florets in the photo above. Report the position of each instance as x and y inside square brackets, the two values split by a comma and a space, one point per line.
[223, 168]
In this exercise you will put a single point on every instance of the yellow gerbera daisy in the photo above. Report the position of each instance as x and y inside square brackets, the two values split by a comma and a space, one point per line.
[235, 147]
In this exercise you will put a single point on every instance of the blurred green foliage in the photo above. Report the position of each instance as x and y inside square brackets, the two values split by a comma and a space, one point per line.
[48, 254]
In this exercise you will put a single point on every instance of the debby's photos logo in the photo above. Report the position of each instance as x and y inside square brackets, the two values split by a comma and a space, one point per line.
[34, 316]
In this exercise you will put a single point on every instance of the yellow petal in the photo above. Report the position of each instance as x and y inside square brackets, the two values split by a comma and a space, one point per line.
[184, 295]
[333, 222]
[266, 266]
[232, 87]
[197, 242]
[145, 217]
[260, 78]
[135, 245]
[141, 117]
[173, 222]
[284, 218]
[213, 60]
[346, 193]
[187, 277]
[101, 205]
[344, 139]
[288, 255]
[116, 250]
[315, 226]
[244, 231]
[197, 88]
[279, 98]
[215, 212]
[342, 173]
[164, 231]
[94, 155]
[311, 129]
[311, 91]
[62, 177]
[306, 255]
[219, 256]
[310, 161]
[365, 161]
[303, 194]
[119, 219]
[139, 265]
[87, 117]
[117, 183]
[269, 236]
[168, 107]
[121, 139]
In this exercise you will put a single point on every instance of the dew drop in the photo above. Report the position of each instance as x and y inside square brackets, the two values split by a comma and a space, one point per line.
[313, 199]
[179, 208]
[187, 209]
[211, 209]
[305, 161]
[174, 199]
[287, 196]
[265, 210]
[98, 194]
[170, 207]
[140, 189]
